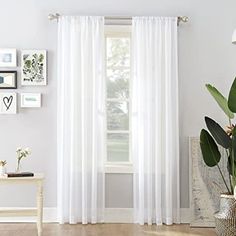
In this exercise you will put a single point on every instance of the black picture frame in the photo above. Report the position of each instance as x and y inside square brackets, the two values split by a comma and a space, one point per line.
[14, 84]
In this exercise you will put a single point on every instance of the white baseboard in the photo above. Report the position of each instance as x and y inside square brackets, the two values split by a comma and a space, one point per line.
[49, 216]
[185, 215]
[112, 215]
[125, 215]
[119, 215]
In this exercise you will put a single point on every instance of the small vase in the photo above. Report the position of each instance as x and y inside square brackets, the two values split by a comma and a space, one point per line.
[18, 167]
[2, 170]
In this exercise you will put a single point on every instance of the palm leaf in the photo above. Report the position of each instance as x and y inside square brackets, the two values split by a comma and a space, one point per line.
[221, 100]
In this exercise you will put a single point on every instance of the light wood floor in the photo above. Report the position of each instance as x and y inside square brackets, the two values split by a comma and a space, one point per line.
[103, 230]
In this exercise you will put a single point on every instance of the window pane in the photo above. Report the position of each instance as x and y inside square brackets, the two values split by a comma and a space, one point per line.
[118, 147]
[118, 83]
[117, 115]
[118, 52]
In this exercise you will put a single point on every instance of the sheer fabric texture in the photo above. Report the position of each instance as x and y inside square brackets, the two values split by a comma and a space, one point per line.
[81, 119]
[155, 134]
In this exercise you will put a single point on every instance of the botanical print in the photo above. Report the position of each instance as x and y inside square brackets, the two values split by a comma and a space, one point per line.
[8, 103]
[205, 196]
[34, 66]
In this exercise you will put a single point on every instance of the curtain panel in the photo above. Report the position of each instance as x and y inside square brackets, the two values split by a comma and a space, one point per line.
[155, 134]
[80, 119]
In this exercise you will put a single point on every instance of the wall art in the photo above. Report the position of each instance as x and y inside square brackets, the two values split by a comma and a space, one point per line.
[8, 79]
[30, 99]
[8, 57]
[34, 67]
[204, 192]
[8, 103]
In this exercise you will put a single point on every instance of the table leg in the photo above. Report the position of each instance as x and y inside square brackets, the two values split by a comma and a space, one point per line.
[40, 208]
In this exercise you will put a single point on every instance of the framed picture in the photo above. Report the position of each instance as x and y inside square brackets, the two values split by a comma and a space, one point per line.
[34, 67]
[8, 79]
[8, 103]
[30, 99]
[8, 57]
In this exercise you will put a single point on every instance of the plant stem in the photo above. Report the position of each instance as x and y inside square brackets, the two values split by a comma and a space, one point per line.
[223, 179]
[230, 181]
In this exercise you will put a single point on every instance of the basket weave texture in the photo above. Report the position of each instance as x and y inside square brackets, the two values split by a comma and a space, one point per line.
[226, 217]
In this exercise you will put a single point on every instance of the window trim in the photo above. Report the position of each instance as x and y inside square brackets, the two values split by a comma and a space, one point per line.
[113, 31]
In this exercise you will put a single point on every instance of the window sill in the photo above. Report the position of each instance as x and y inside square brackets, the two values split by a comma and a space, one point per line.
[118, 169]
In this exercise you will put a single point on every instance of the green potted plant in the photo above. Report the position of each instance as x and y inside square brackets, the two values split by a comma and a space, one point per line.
[209, 141]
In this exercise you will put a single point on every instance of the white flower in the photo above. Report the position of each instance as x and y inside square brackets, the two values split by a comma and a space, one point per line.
[27, 151]
[19, 149]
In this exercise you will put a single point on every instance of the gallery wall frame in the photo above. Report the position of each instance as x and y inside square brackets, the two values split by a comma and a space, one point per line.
[33, 67]
[8, 103]
[8, 79]
[8, 57]
[30, 100]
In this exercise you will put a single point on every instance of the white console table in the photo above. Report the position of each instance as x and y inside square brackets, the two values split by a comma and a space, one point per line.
[37, 180]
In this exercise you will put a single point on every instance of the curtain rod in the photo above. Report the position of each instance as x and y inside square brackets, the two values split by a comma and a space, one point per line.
[183, 19]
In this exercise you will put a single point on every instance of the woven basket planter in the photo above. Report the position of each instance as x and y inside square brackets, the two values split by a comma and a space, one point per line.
[226, 217]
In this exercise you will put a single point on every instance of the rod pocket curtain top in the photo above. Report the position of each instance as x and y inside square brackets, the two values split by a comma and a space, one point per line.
[81, 145]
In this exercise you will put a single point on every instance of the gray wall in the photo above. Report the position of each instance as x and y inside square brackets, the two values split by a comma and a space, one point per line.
[205, 55]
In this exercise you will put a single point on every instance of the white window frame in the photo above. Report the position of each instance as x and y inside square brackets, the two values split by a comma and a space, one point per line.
[119, 167]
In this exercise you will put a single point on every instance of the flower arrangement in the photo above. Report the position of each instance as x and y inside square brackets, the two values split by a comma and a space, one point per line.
[21, 153]
[2, 163]
[2, 167]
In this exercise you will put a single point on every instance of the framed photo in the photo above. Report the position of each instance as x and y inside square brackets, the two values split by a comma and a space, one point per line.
[8, 103]
[30, 99]
[8, 57]
[34, 67]
[8, 79]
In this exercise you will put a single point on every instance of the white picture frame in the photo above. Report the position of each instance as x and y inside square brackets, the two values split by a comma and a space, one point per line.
[8, 57]
[30, 100]
[8, 103]
[33, 67]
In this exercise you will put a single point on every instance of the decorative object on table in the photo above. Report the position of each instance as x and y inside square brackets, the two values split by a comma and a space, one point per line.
[34, 67]
[22, 174]
[204, 193]
[8, 57]
[8, 79]
[212, 156]
[21, 153]
[226, 217]
[2, 167]
[8, 103]
[30, 99]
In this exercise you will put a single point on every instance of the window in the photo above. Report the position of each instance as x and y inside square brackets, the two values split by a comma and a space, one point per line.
[118, 68]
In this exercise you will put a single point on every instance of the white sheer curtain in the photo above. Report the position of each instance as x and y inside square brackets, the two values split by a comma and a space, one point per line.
[155, 136]
[81, 119]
